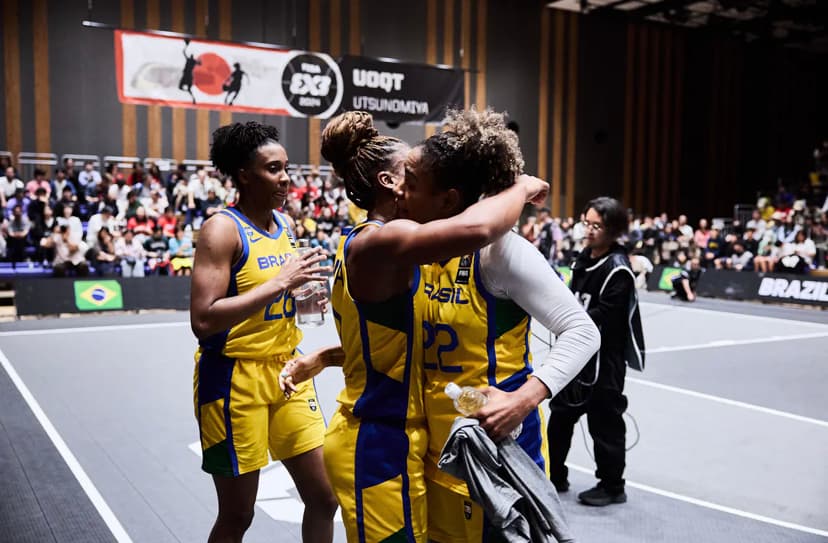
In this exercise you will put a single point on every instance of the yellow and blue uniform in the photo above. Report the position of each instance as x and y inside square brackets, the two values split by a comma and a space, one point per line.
[241, 411]
[472, 339]
[376, 441]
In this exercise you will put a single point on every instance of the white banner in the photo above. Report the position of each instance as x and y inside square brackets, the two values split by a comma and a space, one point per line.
[153, 69]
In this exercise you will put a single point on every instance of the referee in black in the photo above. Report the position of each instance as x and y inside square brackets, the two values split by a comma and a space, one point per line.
[603, 281]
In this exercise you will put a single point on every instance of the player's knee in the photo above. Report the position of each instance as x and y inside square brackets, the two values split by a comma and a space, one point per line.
[238, 520]
[324, 505]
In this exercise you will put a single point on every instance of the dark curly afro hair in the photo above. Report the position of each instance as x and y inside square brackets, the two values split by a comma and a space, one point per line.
[475, 153]
[235, 145]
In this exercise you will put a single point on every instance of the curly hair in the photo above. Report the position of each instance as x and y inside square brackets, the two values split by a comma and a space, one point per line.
[358, 152]
[235, 145]
[476, 154]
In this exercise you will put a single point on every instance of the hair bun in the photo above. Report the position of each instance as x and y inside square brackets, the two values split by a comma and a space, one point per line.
[344, 134]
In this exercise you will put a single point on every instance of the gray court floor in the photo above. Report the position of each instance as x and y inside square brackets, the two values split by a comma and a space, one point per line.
[98, 440]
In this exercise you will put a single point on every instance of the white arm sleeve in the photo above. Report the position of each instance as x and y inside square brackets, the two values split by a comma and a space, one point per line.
[512, 268]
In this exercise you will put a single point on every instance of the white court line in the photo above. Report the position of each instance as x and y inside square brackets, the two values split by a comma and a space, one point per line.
[81, 329]
[776, 320]
[733, 403]
[714, 506]
[733, 342]
[86, 483]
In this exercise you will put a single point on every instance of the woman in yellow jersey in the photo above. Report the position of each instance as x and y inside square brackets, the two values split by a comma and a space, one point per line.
[480, 308]
[242, 313]
[376, 442]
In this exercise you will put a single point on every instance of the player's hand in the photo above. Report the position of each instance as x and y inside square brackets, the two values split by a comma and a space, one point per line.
[536, 189]
[503, 412]
[298, 370]
[299, 269]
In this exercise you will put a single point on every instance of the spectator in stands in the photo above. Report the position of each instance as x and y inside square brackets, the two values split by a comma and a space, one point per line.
[212, 204]
[787, 232]
[156, 204]
[184, 199]
[69, 219]
[19, 198]
[16, 231]
[168, 222]
[684, 284]
[769, 253]
[37, 205]
[41, 233]
[750, 241]
[59, 182]
[157, 249]
[9, 184]
[39, 182]
[784, 199]
[89, 175]
[181, 252]
[701, 235]
[132, 204]
[69, 168]
[713, 247]
[757, 223]
[67, 199]
[69, 254]
[803, 247]
[131, 254]
[739, 259]
[138, 176]
[230, 193]
[103, 255]
[99, 221]
[140, 224]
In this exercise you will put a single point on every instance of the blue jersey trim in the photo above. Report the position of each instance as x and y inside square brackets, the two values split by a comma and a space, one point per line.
[245, 244]
[248, 222]
[491, 307]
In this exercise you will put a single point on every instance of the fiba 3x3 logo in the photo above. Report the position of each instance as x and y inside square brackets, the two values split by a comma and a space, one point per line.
[312, 85]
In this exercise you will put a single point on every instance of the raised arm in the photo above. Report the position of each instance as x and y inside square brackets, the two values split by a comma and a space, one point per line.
[211, 310]
[407, 243]
[513, 269]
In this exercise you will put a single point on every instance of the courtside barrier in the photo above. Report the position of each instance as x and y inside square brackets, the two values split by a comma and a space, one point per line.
[85, 294]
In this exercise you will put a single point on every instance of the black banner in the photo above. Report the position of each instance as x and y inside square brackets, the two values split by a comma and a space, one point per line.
[765, 287]
[51, 296]
[399, 92]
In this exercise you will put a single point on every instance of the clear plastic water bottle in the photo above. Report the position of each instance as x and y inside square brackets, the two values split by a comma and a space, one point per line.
[308, 311]
[467, 400]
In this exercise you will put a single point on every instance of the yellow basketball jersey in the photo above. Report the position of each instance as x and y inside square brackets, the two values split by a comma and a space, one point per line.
[272, 331]
[472, 339]
[383, 347]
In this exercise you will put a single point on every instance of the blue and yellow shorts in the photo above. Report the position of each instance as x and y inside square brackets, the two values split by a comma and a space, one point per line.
[376, 471]
[242, 414]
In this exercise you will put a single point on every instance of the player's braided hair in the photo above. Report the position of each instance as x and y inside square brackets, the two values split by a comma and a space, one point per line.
[475, 154]
[358, 152]
[235, 145]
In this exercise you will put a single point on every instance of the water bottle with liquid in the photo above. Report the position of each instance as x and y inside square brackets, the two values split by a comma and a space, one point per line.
[468, 400]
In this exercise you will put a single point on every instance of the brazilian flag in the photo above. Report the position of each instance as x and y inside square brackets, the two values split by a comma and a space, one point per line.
[665, 282]
[566, 274]
[98, 295]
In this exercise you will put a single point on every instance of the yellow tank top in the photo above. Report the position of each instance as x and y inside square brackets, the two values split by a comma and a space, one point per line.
[472, 339]
[383, 347]
[270, 332]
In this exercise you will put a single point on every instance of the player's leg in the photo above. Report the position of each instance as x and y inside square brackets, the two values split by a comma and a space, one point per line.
[308, 472]
[236, 500]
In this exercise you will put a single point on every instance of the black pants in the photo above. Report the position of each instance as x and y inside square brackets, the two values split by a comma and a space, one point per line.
[604, 410]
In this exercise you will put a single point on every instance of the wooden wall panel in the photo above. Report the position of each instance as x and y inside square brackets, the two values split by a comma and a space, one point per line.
[128, 144]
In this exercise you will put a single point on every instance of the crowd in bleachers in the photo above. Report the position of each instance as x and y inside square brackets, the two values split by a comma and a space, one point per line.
[785, 232]
[142, 220]
[80, 221]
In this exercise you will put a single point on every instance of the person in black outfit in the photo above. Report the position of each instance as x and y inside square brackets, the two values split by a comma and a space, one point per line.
[602, 279]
